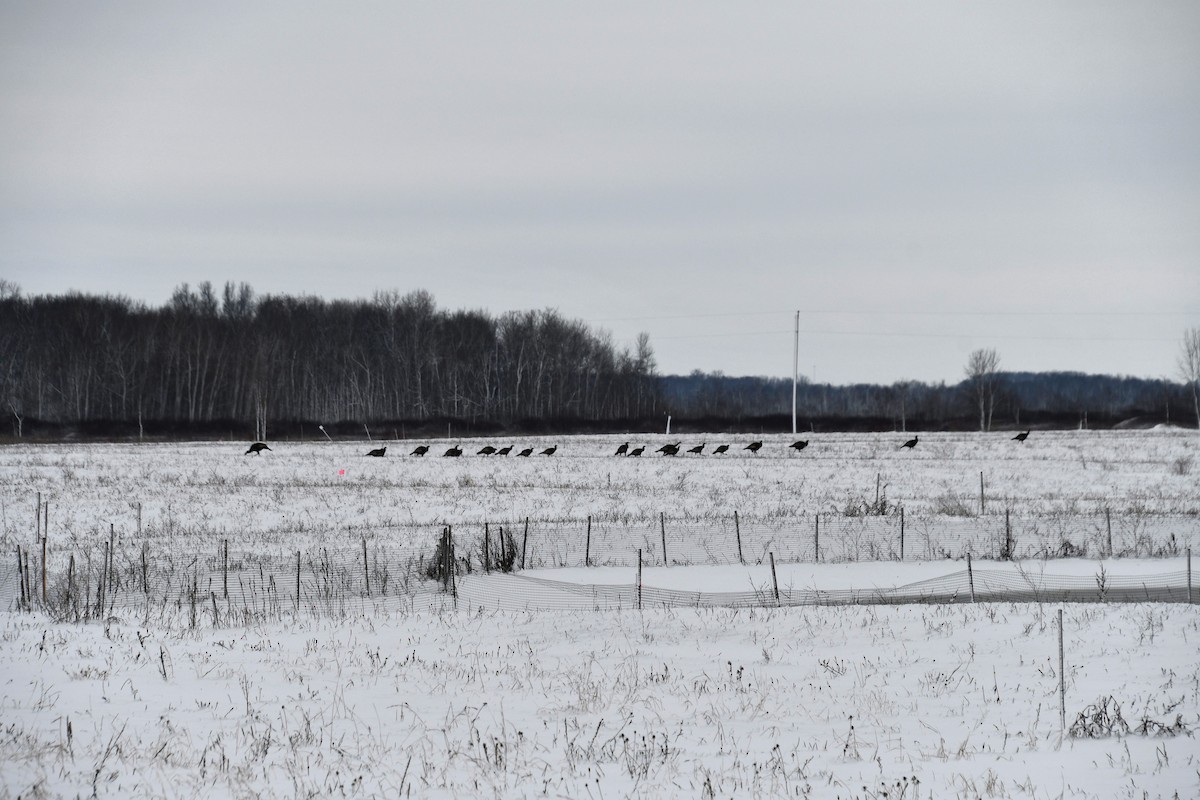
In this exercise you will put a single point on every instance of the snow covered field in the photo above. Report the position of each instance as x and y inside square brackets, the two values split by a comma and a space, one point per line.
[864, 702]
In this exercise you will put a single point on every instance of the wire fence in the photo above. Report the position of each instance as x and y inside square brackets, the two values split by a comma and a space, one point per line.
[481, 565]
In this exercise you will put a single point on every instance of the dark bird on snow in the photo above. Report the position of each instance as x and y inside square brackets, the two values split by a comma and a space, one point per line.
[1020, 437]
[378, 452]
[486, 450]
[549, 451]
[753, 447]
[256, 448]
[911, 443]
[622, 450]
[670, 449]
[503, 451]
[420, 450]
[526, 453]
[698, 449]
[453, 452]
[798, 446]
[637, 451]
[721, 448]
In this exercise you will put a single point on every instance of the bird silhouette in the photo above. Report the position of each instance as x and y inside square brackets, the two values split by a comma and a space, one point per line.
[378, 452]
[670, 449]
[420, 450]
[453, 452]
[1020, 437]
[256, 448]
[528, 451]
[622, 450]
[798, 446]
[911, 443]
[753, 447]
[503, 451]
[486, 450]
[721, 448]
[698, 449]
[549, 451]
[637, 451]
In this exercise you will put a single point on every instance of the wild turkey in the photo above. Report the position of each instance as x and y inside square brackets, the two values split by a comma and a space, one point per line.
[721, 448]
[453, 452]
[637, 452]
[622, 450]
[670, 449]
[698, 449]
[526, 453]
[753, 447]
[420, 450]
[503, 451]
[256, 448]
[911, 443]
[378, 452]
[486, 450]
[549, 451]
[798, 446]
[1020, 437]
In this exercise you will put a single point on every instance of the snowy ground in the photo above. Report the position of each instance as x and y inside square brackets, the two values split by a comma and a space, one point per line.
[492, 700]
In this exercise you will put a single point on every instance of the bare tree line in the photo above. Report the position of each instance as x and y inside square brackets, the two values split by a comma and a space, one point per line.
[235, 356]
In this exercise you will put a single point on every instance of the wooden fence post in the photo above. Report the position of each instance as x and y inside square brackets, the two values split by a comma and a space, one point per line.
[21, 574]
[1189, 571]
[817, 537]
[662, 525]
[70, 581]
[524, 543]
[1008, 542]
[487, 564]
[366, 568]
[639, 579]
[901, 533]
[737, 527]
[44, 538]
[297, 580]
[1062, 677]
[971, 577]
[37, 517]
[225, 569]
[774, 578]
[1108, 524]
[587, 547]
[981, 508]
[145, 582]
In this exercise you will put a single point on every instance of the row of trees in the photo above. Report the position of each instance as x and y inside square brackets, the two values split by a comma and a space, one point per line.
[986, 393]
[237, 356]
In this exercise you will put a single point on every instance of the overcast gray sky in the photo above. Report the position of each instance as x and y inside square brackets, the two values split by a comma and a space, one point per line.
[918, 179]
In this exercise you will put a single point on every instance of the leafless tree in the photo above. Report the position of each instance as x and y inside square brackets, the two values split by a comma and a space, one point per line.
[981, 369]
[1189, 366]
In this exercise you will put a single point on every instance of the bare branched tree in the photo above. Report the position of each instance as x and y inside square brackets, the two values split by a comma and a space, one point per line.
[981, 369]
[1189, 366]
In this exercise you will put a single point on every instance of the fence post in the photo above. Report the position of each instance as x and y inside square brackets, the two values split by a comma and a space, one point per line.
[297, 580]
[70, 581]
[774, 578]
[112, 538]
[981, 493]
[662, 525]
[901, 533]
[487, 564]
[366, 568]
[225, 570]
[639, 579]
[587, 547]
[1189, 555]
[817, 537]
[21, 571]
[737, 527]
[1108, 524]
[1008, 543]
[37, 517]
[971, 577]
[44, 538]
[1062, 677]
[139, 520]
[145, 582]
[524, 543]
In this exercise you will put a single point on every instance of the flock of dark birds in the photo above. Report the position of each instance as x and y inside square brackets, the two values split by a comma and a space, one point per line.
[623, 450]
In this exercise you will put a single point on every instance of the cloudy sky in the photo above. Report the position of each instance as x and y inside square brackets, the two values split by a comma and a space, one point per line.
[916, 179]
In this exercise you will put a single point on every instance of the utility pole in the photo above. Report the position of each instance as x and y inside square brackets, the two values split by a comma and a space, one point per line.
[795, 370]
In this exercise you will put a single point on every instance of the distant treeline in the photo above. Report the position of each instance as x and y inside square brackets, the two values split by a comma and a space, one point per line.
[203, 359]
[236, 364]
[1058, 399]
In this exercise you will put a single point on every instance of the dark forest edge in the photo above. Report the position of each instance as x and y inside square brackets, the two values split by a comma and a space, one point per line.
[238, 366]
